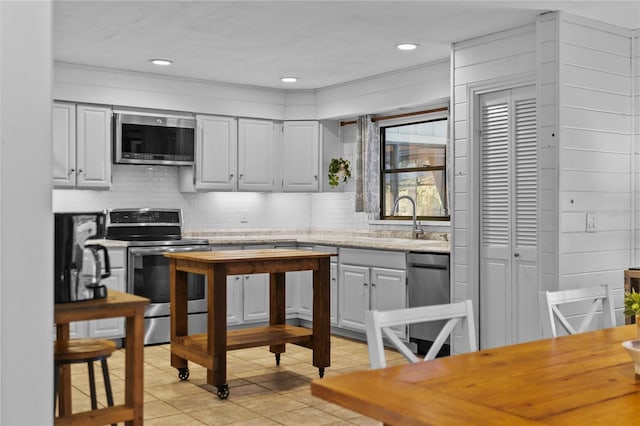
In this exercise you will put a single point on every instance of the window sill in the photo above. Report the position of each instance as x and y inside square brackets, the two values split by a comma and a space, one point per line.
[409, 223]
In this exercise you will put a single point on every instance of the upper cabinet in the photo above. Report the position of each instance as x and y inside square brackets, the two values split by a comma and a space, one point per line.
[300, 153]
[256, 155]
[216, 153]
[81, 146]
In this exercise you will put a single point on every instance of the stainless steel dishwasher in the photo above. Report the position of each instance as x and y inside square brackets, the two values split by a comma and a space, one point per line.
[428, 284]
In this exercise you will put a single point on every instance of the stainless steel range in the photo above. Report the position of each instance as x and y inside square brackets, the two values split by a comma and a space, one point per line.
[151, 233]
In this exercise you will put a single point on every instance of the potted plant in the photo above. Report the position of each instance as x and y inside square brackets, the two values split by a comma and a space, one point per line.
[632, 305]
[339, 169]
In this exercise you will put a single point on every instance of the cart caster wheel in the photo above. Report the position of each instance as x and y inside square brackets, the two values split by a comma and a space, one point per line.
[223, 391]
[321, 372]
[183, 374]
[278, 359]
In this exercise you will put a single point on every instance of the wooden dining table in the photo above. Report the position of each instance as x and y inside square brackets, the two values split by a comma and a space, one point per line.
[116, 304]
[582, 379]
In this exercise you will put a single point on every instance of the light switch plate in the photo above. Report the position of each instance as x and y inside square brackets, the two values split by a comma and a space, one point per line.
[591, 222]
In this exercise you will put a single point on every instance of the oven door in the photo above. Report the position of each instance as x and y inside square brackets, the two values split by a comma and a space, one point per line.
[148, 276]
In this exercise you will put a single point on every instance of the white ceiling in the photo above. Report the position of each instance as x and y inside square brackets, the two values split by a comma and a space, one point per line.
[324, 43]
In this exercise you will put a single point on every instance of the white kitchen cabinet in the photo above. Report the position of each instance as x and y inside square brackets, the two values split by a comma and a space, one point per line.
[81, 142]
[256, 150]
[111, 328]
[300, 156]
[235, 284]
[64, 145]
[108, 328]
[235, 305]
[216, 153]
[256, 297]
[305, 289]
[363, 286]
[247, 295]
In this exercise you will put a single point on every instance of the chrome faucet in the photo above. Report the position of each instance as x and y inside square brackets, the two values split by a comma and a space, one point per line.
[415, 231]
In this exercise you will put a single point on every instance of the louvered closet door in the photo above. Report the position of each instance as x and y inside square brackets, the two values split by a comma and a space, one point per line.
[508, 217]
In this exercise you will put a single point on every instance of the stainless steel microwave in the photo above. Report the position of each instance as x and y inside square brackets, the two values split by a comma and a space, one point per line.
[153, 139]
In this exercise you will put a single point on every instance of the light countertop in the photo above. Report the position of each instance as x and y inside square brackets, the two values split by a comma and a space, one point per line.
[332, 239]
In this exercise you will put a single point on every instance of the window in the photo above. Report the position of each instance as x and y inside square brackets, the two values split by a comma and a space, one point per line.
[414, 163]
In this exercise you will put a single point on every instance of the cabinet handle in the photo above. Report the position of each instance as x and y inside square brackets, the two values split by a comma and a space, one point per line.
[70, 172]
[241, 176]
[231, 176]
[315, 177]
[80, 171]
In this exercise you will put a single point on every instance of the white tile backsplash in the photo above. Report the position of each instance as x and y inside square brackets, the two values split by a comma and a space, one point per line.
[157, 186]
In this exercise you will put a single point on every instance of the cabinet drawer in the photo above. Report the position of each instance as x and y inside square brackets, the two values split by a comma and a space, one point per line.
[327, 249]
[379, 258]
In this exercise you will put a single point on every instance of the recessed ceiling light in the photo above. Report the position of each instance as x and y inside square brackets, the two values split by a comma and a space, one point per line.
[289, 79]
[407, 46]
[161, 62]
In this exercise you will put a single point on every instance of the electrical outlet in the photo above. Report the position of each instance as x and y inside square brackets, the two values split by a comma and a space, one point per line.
[243, 216]
[591, 222]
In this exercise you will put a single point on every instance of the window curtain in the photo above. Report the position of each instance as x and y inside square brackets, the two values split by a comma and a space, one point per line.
[367, 166]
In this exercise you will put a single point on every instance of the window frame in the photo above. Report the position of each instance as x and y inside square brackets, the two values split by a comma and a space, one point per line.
[409, 120]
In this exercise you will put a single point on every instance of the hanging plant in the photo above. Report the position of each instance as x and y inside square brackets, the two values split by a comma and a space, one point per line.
[339, 169]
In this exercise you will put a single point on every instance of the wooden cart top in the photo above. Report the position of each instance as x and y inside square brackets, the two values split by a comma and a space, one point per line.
[229, 256]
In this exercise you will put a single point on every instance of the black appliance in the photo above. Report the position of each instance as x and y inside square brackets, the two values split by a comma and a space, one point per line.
[154, 139]
[150, 233]
[79, 267]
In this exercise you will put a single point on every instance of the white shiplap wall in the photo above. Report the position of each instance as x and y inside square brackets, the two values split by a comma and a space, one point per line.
[548, 142]
[635, 66]
[595, 142]
[587, 124]
[494, 62]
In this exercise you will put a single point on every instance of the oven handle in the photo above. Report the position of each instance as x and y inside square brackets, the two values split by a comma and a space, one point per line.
[137, 251]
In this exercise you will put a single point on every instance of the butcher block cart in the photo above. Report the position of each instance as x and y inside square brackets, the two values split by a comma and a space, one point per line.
[210, 349]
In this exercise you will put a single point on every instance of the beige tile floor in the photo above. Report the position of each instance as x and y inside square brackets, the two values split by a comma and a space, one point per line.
[260, 392]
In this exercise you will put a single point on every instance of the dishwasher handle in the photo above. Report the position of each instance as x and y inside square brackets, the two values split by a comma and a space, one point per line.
[415, 265]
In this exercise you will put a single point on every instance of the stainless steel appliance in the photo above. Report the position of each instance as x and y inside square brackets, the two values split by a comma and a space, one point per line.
[151, 233]
[428, 284]
[151, 138]
[79, 267]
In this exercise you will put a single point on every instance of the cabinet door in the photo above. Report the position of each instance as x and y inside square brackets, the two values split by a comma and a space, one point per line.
[354, 296]
[305, 298]
[389, 291]
[334, 293]
[93, 147]
[256, 297]
[216, 153]
[294, 283]
[255, 155]
[305, 292]
[64, 145]
[234, 299]
[300, 156]
[110, 328]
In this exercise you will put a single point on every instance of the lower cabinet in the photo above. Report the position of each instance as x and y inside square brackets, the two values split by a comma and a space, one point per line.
[305, 289]
[247, 295]
[363, 287]
[108, 328]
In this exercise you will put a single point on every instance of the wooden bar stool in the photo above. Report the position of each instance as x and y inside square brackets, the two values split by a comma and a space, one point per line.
[74, 351]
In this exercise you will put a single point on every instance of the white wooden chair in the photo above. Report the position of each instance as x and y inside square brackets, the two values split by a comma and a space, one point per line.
[600, 296]
[379, 322]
